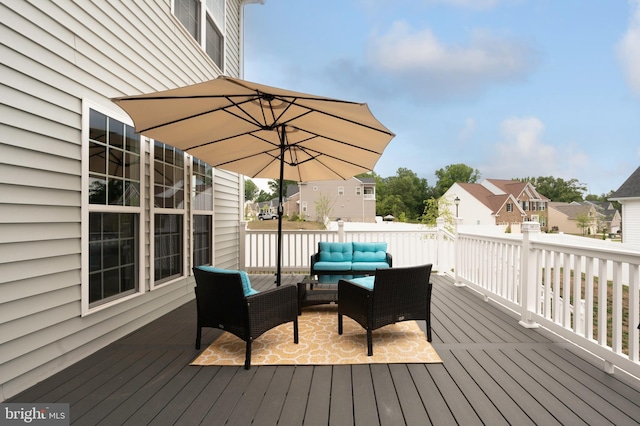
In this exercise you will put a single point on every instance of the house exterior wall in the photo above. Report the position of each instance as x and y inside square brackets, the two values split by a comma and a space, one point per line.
[560, 222]
[470, 210]
[631, 221]
[350, 206]
[58, 57]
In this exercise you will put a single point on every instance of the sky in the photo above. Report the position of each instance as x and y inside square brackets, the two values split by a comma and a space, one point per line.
[512, 88]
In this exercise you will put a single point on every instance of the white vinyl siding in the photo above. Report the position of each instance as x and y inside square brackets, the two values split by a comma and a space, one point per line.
[56, 58]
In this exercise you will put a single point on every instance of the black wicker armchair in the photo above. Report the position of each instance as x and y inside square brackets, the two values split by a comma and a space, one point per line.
[221, 303]
[398, 294]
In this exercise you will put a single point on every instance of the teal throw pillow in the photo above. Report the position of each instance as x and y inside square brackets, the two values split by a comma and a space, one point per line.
[244, 277]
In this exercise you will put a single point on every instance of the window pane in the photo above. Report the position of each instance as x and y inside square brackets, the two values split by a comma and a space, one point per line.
[109, 160]
[116, 133]
[97, 157]
[203, 185]
[112, 255]
[187, 12]
[168, 246]
[97, 126]
[201, 240]
[214, 45]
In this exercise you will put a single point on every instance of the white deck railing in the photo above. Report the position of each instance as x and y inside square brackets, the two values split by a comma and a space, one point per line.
[525, 273]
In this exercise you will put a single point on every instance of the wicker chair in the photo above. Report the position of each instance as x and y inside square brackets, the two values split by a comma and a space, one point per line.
[398, 294]
[221, 303]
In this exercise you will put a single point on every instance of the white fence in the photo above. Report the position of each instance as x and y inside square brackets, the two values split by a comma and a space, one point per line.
[582, 289]
[407, 247]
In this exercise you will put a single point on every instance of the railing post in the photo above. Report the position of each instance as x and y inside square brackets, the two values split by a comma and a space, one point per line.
[528, 285]
[341, 231]
[440, 247]
[242, 261]
[457, 255]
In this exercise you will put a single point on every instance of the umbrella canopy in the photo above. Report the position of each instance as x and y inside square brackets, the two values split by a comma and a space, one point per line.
[262, 131]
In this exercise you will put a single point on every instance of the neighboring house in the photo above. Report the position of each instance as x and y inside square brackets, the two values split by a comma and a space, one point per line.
[533, 203]
[99, 227]
[563, 217]
[351, 200]
[610, 218]
[478, 205]
[628, 195]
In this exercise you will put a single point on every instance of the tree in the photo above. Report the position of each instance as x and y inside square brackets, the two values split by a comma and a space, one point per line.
[433, 209]
[557, 189]
[251, 190]
[583, 221]
[451, 174]
[324, 207]
[403, 193]
[274, 186]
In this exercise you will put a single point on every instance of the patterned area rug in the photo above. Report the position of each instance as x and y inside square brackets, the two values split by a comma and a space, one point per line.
[320, 344]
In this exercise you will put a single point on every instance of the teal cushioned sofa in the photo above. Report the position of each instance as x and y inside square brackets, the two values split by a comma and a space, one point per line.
[350, 258]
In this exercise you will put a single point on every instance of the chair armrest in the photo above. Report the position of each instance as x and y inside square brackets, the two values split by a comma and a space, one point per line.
[314, 258]
[272, 307]
[390, 260]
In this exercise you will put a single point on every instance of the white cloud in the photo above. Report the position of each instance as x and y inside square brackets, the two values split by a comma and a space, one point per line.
[417, 59]
[523, 153]
[468, 130]
[628, 49]
[468, 4]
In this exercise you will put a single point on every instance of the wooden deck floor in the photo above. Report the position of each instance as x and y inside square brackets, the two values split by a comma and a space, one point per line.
[494, 372]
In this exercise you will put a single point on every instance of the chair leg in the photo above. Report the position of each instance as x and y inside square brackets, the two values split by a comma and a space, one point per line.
[247, 357]
[339, 323]
[198, 336]
[428, 325]
[369, 342]
[295, 330]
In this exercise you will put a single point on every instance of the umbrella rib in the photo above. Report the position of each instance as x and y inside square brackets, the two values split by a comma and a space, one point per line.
[181, 119]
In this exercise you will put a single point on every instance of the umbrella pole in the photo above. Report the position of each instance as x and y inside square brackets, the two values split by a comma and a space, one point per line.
[280, 208]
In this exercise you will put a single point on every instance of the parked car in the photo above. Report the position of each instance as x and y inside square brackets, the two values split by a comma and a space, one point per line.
[267, 216]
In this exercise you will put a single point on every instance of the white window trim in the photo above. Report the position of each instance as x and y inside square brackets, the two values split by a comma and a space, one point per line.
[86, 208]
[152, 220]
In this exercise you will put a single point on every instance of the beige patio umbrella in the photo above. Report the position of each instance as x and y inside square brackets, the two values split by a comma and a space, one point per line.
[262, 131]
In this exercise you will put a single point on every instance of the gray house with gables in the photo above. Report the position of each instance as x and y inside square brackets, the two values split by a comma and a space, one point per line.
[100, 227]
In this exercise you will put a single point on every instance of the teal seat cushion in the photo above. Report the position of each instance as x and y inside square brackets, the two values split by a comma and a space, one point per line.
[366, 282]
[335, 252]
[244, 277]
[369, 252]
[332, 266]
[334, 278]
[368, 266]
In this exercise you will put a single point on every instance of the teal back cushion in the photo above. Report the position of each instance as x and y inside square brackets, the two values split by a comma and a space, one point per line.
[369, 252]
[335, 252]
[244, 277]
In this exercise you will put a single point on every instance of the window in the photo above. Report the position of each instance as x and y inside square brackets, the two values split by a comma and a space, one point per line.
[214, 43]
[188, 13]
[204, 20]
[341, 190]
[358, 191]
[169, 197]
[303, 207]
[509, 207]
[369, 193]
[113, 195]
[203, 213]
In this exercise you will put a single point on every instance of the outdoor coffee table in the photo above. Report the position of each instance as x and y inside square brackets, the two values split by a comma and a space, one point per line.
[313, 292]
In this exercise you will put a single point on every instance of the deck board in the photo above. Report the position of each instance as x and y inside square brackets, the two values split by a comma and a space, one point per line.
[494, 372]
